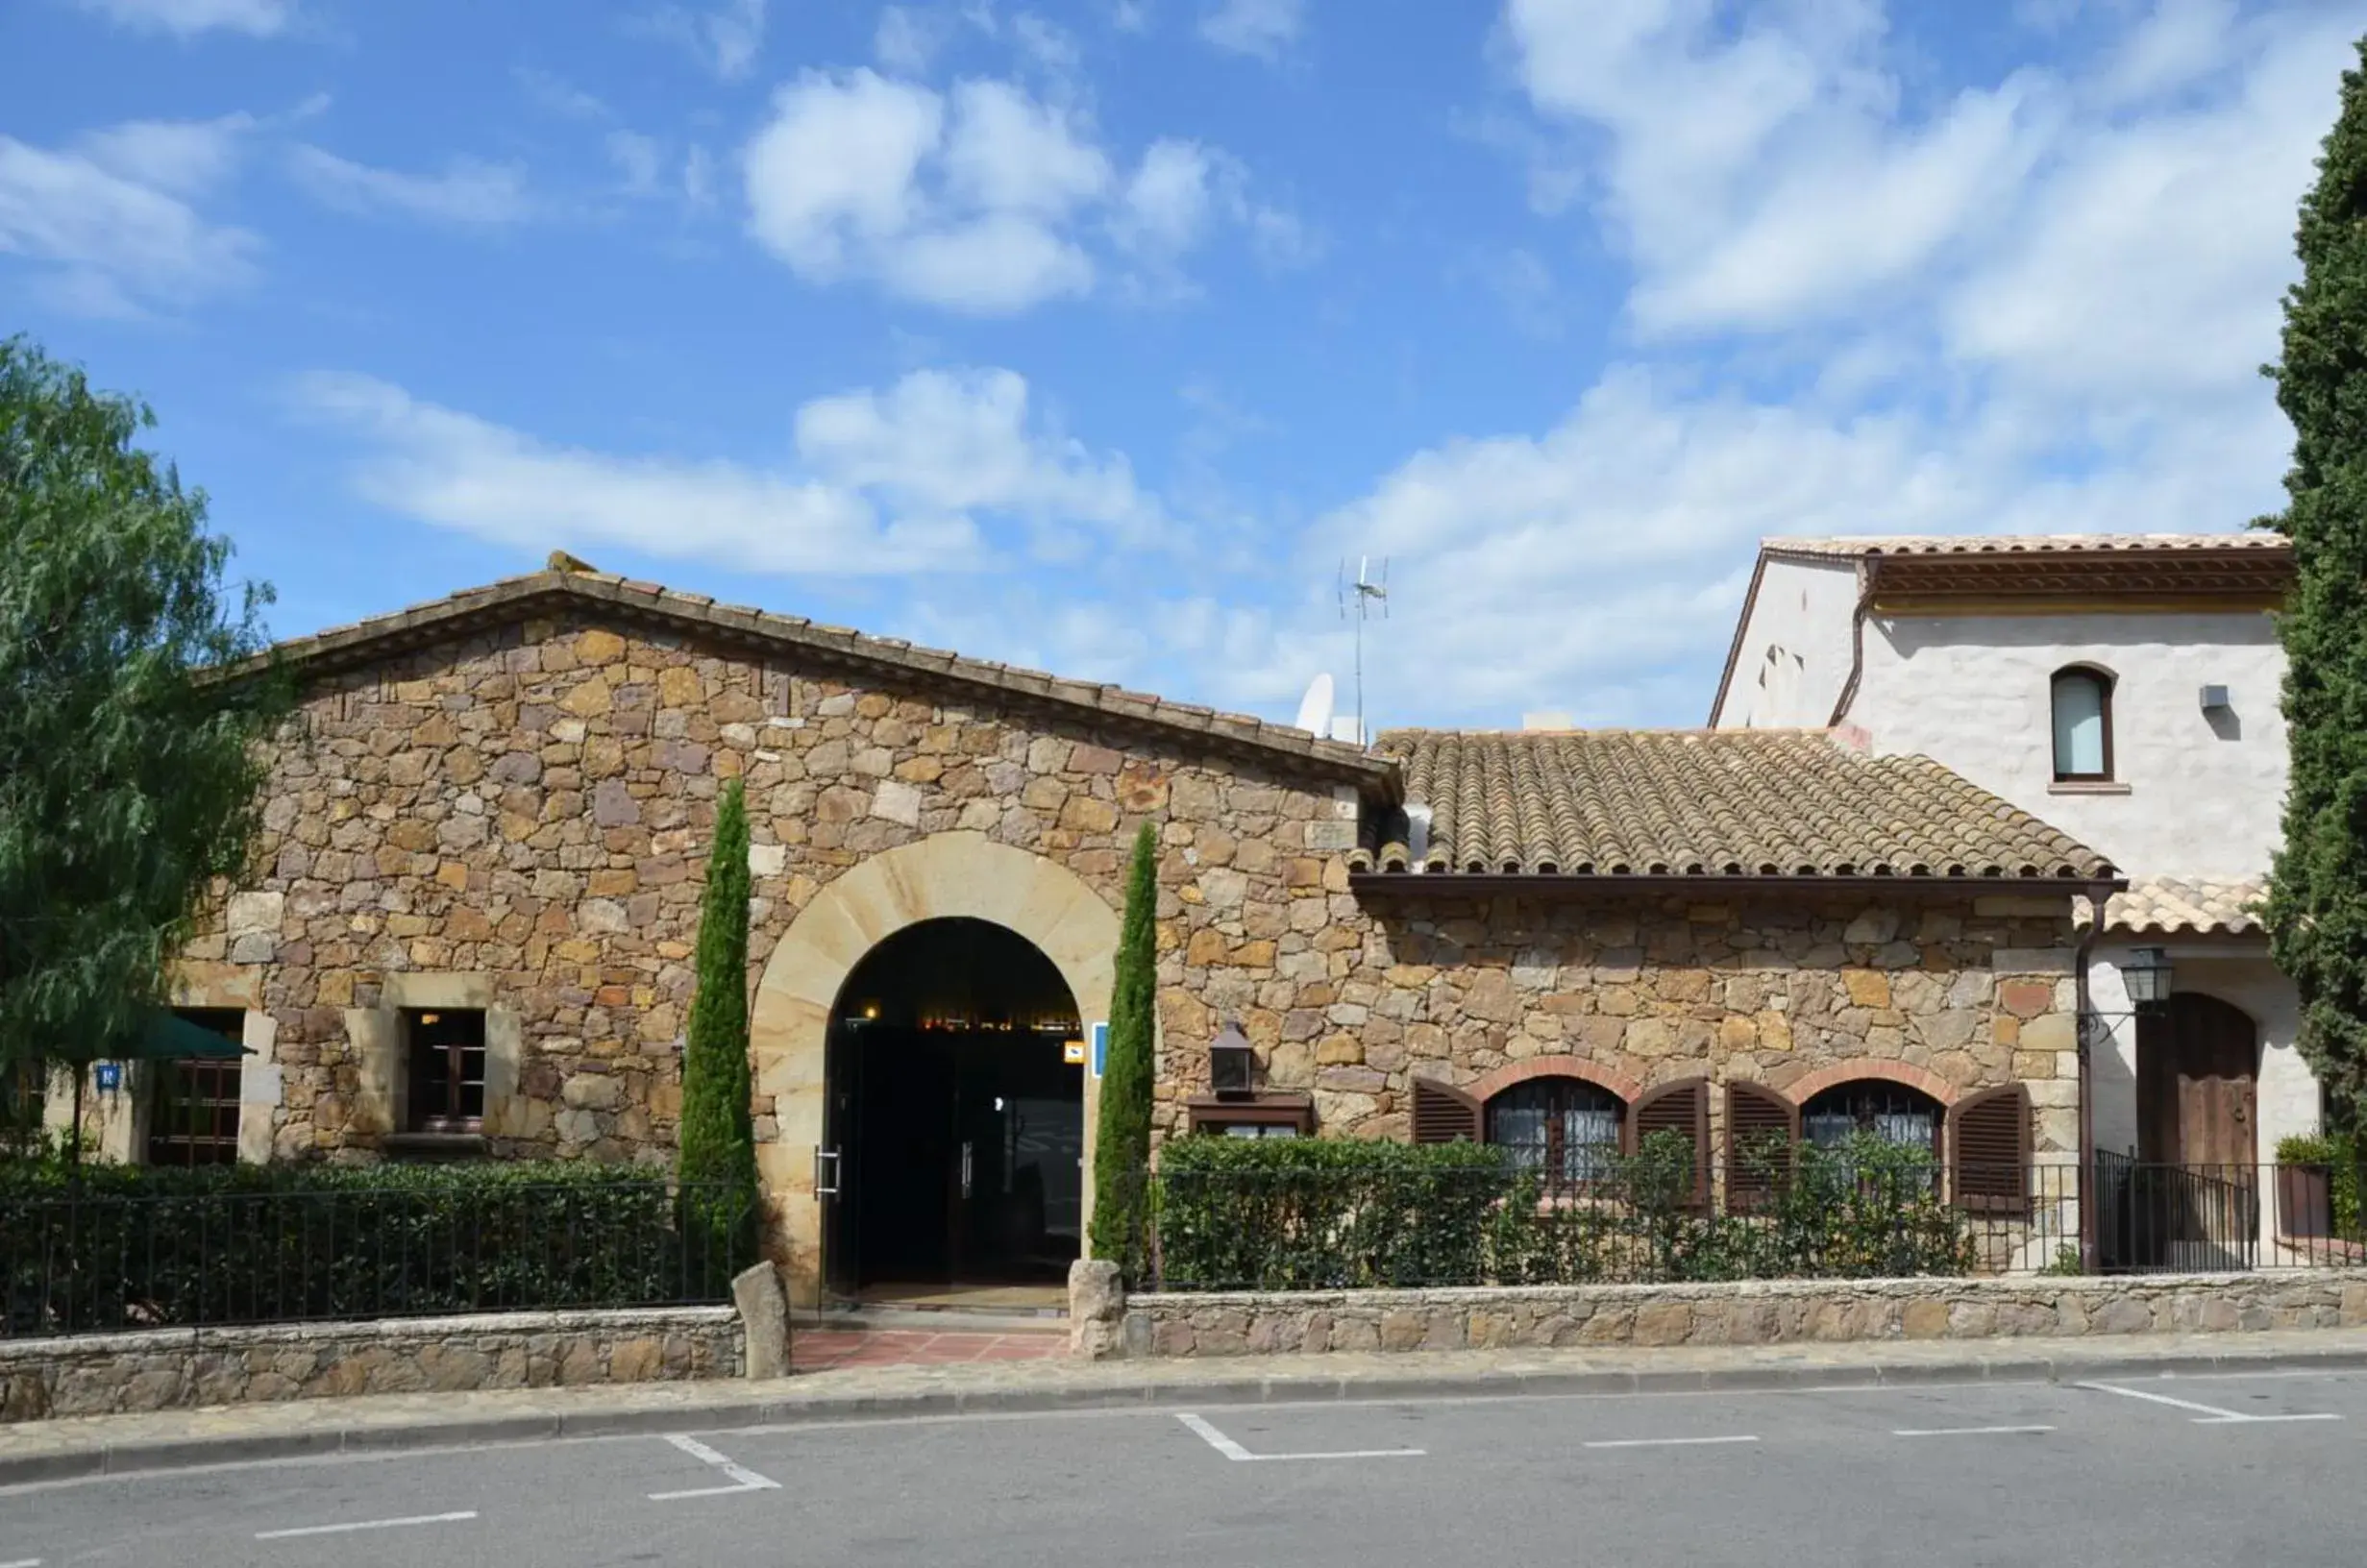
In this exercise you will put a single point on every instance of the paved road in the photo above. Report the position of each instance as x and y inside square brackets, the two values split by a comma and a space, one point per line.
[2254, 1469]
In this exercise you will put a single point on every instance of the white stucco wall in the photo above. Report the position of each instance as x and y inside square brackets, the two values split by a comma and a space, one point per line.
[2203, 791]
[1795, 648]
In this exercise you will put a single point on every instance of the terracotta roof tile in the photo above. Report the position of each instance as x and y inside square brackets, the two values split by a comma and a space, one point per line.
[2024, 544]
[2169, 906]
[1702, 803]
[591, 592]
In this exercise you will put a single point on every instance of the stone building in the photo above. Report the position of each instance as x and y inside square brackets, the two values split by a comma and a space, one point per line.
[470, 926]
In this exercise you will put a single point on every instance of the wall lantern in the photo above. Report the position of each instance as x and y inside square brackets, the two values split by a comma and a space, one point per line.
[2147, 974]
[1230, 1060]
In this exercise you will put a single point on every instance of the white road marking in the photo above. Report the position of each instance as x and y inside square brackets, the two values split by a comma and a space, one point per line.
[1963, 1431]
[24, 1563]
[1666, 1442]
[1232, 1449]
[2212, 1415]
[744, 1480]
[365, 1524]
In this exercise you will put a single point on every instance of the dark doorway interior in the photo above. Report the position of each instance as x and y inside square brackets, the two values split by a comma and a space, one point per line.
[957, 1119]
[2193, 1196]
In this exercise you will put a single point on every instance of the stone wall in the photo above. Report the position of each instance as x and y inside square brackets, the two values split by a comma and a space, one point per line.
[158, 1370]
[1752, 1313]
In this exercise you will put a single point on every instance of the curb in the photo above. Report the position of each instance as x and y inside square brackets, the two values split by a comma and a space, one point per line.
[138, 1457]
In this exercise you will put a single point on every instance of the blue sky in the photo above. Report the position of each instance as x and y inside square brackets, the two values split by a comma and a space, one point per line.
[1095, 335]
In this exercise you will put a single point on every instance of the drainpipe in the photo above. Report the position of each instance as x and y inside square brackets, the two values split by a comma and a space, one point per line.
[1856, 642]
[2098, 895]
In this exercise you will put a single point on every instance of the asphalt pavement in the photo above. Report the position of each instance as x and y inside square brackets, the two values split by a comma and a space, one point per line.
[2249, 1468]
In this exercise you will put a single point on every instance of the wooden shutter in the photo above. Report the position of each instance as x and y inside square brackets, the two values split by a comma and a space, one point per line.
[1757, 1115]
[1443, 1114]
[1988, 1145]
[1682, 1108]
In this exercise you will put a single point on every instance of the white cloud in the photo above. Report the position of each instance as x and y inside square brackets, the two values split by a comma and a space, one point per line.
[1263, 28]
[906, 41]
[943, 472]
[2180, 41]
[975, 200]
[109, 226]
[636, 159]
[725, 38]
[470, 192]
[186, 19]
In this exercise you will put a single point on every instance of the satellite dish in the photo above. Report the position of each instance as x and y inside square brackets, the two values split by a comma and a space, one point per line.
[1315, 708]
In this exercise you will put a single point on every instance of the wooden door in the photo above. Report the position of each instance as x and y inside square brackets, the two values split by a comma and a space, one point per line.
[2197, 1083]
[2198, 1066]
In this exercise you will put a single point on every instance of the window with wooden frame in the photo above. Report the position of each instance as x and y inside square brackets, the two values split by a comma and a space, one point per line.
[2081, 699]
[1568, 1131]
[1875, 1108]
[193, 1103]
[444, 1051]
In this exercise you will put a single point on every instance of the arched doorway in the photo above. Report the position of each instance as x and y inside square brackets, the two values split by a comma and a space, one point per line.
[955, 1114]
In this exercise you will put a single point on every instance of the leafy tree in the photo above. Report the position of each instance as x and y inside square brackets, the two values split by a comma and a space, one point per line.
[1121, 1145]
[718, 1138]
[2317, 903]
[130, 773]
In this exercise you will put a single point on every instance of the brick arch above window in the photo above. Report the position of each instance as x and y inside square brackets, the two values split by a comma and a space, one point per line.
[1802, 1089]
[1487, 1088]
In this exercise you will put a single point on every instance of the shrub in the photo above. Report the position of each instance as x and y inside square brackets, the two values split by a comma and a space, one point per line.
[1338, 1214]
[114, 1246]
[1121, 1136]
[718, 1137]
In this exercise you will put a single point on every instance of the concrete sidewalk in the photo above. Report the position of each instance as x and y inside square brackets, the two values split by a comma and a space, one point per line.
[173, 1439]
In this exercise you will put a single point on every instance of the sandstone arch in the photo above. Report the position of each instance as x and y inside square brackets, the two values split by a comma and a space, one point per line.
[947, 874]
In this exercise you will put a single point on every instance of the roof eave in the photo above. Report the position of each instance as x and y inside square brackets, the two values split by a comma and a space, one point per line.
[1493, 884]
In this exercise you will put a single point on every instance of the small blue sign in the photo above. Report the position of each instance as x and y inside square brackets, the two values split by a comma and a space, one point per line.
[1100, 1047]
[110, 1076]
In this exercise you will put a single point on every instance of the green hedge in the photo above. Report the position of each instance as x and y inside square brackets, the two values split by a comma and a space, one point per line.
[112, 1246]
[1341, 1214]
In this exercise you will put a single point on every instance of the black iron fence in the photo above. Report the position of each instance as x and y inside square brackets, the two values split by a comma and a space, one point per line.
[76, 1260]
[1859, 1209]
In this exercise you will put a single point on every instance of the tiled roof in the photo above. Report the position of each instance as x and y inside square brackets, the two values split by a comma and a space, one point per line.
[2026, 544]
[569, 587]
[2169, 906]
[1703, 803]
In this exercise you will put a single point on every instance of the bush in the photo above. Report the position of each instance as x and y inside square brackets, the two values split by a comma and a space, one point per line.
[1341, 1214]
[114, 1246]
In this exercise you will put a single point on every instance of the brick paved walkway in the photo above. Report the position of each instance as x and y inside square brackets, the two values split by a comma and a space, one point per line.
[819, 1349]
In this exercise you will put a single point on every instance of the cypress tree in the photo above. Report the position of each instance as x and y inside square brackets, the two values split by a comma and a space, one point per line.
[718, 1137]
[2317, 904]
[1121, 1144]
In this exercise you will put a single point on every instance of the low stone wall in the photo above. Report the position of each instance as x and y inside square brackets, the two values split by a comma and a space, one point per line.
[1748, 1313]
[161, 1368]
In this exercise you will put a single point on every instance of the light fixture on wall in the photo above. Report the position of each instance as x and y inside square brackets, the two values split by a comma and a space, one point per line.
[2147, 973]
[1229, 1060]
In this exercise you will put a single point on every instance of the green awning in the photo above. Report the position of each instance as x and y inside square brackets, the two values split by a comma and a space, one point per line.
[167, 1035]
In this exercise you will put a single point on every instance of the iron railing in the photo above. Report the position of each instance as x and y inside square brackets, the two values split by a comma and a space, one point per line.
[1817, 1218]
[80, 1262]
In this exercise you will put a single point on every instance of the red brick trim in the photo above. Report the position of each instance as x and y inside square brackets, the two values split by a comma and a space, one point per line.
[1554, 1066]
[1808, 1087]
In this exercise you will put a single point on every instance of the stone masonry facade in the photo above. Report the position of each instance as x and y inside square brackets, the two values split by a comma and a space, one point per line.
[527, 811]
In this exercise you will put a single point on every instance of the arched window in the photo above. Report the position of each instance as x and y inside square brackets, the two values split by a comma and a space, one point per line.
[1891, 1112]
[2082, 704]
[1565, 1129]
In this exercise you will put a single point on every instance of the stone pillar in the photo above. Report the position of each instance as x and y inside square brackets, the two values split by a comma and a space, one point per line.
[1097, 1309]
[764, 1320]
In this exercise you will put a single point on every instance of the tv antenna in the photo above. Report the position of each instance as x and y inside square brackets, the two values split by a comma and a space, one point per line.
[1358, 600]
